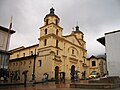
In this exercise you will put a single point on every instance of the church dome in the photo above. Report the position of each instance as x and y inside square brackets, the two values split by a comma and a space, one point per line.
[77, 30]
[51, 13]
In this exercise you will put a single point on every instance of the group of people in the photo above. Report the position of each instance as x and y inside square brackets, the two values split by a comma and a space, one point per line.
[4, 74]
[61, 78]
[14, 76]
[75, 76]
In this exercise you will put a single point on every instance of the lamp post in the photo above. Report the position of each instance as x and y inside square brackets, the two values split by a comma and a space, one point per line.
[33, 74]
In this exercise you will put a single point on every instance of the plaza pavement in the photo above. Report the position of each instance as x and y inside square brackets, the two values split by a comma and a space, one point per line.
[43, 86]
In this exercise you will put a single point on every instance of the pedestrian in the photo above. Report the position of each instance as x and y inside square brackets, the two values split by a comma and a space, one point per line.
[45, 78]
[25, 77]
[15, 76]
[62, 77]
[18, 75]
[72, 76]
[11, 76]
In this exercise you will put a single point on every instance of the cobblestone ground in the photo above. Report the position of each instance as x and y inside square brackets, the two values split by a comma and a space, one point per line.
[38, 87]
[49, 86]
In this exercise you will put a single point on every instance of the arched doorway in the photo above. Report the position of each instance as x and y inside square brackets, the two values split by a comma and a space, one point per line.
[72, 72]
[56, 73]
[72, 69]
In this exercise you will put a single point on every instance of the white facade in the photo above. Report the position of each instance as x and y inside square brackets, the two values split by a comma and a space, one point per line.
[4, 46]
[3, 40]
[112, 44]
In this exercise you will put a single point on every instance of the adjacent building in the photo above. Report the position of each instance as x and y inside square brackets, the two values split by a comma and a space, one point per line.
[111, 41]
[5, 34]
[97, 65]
[22, 59]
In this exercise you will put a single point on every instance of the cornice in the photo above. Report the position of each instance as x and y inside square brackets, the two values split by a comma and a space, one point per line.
[43, 48]
[51, 24]
[23, 48]
[71, 58]
[6, 30]
[60, 38]
[44, 55]
[21, 58]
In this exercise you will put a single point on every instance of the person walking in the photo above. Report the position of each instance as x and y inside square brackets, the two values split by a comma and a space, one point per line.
[25, 77]
[11, 76]
[45, 78]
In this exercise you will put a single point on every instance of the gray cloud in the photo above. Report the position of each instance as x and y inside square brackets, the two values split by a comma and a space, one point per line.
[95, 17]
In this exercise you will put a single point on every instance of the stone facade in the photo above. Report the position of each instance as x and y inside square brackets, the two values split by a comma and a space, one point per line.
[97, 64]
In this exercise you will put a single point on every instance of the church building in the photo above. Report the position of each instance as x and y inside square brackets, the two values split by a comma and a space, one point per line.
[53, 54]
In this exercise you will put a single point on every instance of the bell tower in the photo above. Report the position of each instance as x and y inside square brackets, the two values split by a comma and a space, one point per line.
[80, 36]
[51, 28]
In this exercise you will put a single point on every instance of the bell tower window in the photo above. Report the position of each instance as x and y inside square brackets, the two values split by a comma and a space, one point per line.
[45, 42]
[57, 52]
[56, 43]
[57, 32]
[47, 22]
[72, 51]
[56, 22]
[46, 31]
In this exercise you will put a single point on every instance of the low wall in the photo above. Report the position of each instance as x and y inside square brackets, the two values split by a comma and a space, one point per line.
[110, 82]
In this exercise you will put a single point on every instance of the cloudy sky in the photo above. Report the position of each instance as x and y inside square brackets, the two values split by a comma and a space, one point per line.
[94, 17]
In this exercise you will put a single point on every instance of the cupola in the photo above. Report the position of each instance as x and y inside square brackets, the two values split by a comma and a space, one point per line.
[51, 18]
[79, 34]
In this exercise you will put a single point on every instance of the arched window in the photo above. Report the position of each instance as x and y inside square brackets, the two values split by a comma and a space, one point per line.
[56, 43]
[72, 51]
[17, 55]
[56, 22]
[57, 32]
[23, 54]
[31, 52]
[47, 22]
[46, 31]
[57, 52]
[45, 42]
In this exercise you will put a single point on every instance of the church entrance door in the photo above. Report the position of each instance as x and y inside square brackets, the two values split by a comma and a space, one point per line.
[57, 73]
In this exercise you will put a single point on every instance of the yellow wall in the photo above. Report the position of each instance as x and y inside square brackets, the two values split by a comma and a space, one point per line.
[100, 66]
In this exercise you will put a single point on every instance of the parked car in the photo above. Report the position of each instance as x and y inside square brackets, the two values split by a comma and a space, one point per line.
[94, 74]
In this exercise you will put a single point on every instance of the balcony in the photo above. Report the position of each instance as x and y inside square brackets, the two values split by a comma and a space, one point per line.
[57, 58]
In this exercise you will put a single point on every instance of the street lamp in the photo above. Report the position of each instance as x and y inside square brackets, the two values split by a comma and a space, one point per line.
[33, 74]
